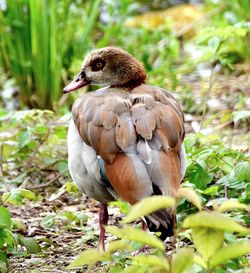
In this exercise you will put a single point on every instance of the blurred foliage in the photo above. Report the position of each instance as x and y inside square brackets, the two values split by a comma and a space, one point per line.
[209, 250]
[42, 44]
[31, 144]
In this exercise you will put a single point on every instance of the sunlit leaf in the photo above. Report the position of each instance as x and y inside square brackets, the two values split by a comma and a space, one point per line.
[207, 240]
[191, 196]
[136, 235]
[16, 196]
[200, 261]
[230, 251]
[89, 257]
[231, 205]
[118, 245]
[214, 220]
[147, 206]
[182, 260]
[152, 260]
[5, 220]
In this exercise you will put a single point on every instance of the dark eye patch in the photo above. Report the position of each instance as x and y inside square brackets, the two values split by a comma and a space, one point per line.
[97, 64]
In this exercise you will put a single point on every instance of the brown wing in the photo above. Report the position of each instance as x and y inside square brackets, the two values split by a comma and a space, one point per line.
[137, 134]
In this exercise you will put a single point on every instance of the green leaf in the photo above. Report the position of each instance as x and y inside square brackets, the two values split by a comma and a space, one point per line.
[214, 220]
[136, 235]
[147, 206]
[182, 260]
[16, 196]
[30, 244]
[207, 240]
[231, 205]
[89, 257]
[238, 115]
[5, 220]
[24, 138]
[242, 171]
[3, 267]
[228, 252]
[118, 245]
[198, 176]
[152, 260]
[191, 196]
[200, 261]
[10, 239]
[214, 42]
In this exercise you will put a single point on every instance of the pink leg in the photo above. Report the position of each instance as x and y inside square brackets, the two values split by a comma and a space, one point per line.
[103, 220]
[144, 225]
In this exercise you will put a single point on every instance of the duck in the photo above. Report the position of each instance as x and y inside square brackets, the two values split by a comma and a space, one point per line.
[125, 140]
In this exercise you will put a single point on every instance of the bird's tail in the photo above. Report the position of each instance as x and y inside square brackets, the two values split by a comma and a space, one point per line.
[162, 221]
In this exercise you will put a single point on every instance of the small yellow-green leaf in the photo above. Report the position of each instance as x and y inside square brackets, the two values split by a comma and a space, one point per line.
[89, 257]
[191, 196]
[231, 205]
[147, 206]
[198, 260]
[228, 252]
[5, 220]
[182, 260]
[214, 220]
[152, 260]
[207, 240]
[136, 235]
[118, 245]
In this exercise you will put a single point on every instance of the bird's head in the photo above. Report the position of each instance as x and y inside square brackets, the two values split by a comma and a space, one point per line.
[109, 66]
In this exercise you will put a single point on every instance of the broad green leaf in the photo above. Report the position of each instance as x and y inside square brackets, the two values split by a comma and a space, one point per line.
[200, 261]
[147, 206]
[231, 205]
[198, 176]
[89, 257]
[182, 260]
[191, 196]
[118, 245]
[3, 257]
[214, 220]
[229, 252]
[242, 171]
[207, 240]
[16, 196]
[24, 138]
[5, 220]
[30, 244]
[136, 235]
[152, 260]
[10, 239]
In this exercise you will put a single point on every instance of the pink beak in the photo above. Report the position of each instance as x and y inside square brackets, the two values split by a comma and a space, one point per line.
[78, 82]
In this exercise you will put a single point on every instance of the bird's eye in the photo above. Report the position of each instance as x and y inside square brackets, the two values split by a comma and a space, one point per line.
[97, 65]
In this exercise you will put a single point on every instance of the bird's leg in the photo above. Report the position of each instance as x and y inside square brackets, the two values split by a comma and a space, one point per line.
[144, 225]
[103, 220]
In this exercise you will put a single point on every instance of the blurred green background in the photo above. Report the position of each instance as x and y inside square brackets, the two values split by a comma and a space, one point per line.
[42, 43]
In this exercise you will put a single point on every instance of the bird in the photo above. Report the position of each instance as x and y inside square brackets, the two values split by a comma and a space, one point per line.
[125, 140]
